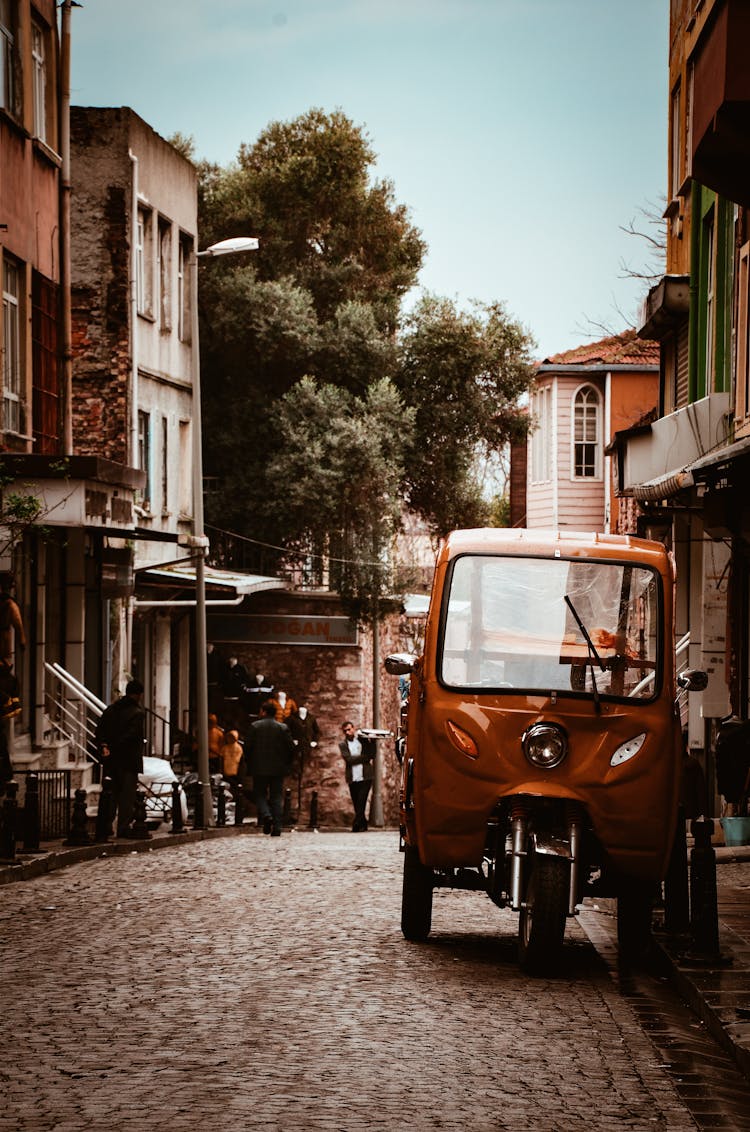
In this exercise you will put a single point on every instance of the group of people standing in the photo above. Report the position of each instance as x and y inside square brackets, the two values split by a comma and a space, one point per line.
[255, 738]
[256, 732]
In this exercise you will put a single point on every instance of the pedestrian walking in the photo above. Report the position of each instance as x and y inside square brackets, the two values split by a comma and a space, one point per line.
[358, 753]
[269, 751]
[120, 735]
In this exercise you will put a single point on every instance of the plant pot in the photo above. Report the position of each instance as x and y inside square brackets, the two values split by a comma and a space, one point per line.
[736, 830]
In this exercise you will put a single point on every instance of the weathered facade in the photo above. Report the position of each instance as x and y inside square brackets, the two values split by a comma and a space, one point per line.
[580, 400]
[135, 200]
[689, 470]
[61, 572]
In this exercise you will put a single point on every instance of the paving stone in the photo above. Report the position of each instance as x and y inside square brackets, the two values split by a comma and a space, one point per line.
[244, 982]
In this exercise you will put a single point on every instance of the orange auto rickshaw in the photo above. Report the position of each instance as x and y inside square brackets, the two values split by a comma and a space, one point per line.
[542, 749]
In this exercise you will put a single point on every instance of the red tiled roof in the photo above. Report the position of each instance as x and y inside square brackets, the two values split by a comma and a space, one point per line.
[621, 350]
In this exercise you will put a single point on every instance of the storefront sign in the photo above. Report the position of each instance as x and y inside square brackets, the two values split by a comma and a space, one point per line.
[282, 629]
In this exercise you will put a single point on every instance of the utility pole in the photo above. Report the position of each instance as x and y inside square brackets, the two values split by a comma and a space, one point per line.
[376, 805]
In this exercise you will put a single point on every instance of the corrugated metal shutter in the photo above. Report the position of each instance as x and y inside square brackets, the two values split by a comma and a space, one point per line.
[681, 366]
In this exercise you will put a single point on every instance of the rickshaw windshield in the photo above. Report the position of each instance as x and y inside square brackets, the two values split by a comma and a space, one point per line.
[552, 625]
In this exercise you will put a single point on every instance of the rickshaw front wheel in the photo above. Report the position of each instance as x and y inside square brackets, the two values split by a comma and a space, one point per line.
[416, 897]
[541, 925]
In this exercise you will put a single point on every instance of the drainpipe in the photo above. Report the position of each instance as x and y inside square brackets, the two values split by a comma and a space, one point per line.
[129, 603]
[65, 272]
[376, 804]
[134, 313]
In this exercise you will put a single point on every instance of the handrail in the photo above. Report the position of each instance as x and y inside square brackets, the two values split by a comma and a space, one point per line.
[78, 731]
[74, 723]
[681, 646]
[73, 685]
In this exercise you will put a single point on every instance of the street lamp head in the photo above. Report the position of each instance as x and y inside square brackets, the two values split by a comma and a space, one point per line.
[234, 244]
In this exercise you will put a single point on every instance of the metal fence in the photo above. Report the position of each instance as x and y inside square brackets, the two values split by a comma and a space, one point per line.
[54, 801]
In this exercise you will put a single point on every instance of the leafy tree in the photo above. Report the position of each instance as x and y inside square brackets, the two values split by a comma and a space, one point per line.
[462, 373]
[337, 474]
[304, 188]
[320, 297]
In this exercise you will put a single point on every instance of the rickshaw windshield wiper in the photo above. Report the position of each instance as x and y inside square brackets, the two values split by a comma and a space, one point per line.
[593, 654]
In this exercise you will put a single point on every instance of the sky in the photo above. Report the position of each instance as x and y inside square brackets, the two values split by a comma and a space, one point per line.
[522, 135]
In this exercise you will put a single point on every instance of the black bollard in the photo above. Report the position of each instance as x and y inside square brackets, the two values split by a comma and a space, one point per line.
[31, 821]
[286, 816]
[79, 826]
[704, 917]
[221, 805]
[8, 819]
[198, 821]
[177, 824]
[239, 810]
[676, 883]
[104, 812]
[140, 829]
[314, 810]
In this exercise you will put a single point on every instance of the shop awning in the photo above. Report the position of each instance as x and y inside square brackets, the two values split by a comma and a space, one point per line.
[227, 586]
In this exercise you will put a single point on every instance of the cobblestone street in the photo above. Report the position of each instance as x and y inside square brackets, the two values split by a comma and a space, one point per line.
[252, 982]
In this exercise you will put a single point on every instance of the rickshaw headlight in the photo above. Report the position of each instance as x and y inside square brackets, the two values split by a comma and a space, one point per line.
[626, 750]
[545, 745]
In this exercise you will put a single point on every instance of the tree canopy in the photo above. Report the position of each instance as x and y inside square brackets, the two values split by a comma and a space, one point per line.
[326, 411]
[462, 373]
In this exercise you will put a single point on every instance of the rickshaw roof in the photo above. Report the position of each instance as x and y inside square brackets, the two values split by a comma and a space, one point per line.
[550, 543]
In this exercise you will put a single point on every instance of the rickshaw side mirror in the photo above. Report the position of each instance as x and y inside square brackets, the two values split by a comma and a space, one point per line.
[400, 664]
[694, 679]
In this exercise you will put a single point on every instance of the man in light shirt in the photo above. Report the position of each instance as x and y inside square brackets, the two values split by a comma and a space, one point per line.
[358, 754]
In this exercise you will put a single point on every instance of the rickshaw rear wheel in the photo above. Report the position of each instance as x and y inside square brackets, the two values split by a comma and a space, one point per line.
[634, 913]
[416, 897]
[541, 924]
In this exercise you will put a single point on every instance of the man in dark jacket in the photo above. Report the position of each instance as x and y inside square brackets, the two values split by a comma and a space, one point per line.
[269, 751]
[120, 735]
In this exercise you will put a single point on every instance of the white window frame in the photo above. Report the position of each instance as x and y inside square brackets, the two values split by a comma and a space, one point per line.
[144, 261]
[186, 470]
[675, 147]
[144, 455]
[7, 47]
[184, 298]
[12, 368]
[589, 399]
[541, 437]
[165, 466]
[39, 80]
[164, 272]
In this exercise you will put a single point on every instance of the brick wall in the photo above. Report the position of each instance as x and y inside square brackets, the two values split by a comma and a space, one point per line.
[334, 683]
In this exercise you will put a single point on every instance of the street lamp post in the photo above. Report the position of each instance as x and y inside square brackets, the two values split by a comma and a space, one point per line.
[199, 542]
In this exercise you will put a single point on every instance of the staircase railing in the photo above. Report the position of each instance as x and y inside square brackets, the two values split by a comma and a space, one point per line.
[73, 711]
[681, 652]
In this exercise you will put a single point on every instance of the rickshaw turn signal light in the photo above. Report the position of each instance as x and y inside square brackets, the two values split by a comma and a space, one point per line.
[626, 750]
[545, 745]
[464, 742]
